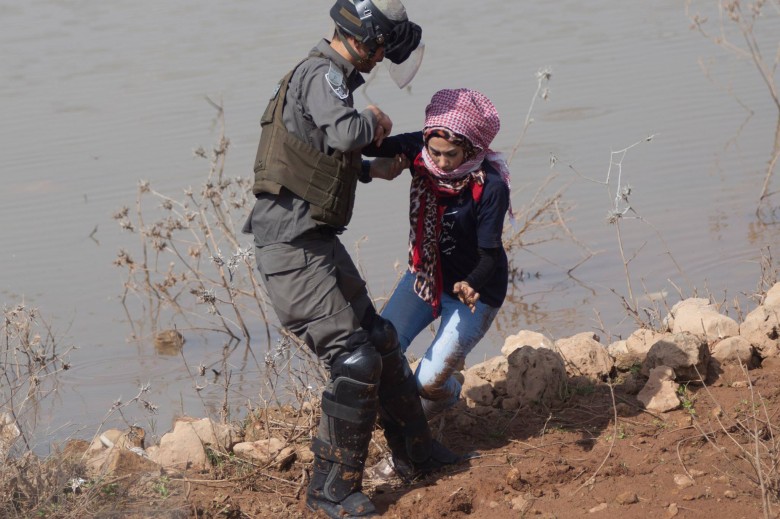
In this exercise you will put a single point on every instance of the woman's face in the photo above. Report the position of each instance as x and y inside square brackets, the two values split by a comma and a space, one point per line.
[446, 155]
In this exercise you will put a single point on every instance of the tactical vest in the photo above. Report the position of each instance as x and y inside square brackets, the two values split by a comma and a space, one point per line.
[327, 182]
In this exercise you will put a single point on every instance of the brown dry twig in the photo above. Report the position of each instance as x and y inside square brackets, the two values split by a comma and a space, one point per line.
[592, 479]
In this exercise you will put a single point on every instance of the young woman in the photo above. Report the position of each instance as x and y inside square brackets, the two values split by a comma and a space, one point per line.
[457, 264]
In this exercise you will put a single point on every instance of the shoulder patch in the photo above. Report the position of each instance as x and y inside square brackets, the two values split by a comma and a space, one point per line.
[337, 82]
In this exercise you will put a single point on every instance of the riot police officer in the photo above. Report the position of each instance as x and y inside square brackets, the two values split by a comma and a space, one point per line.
[307, 168]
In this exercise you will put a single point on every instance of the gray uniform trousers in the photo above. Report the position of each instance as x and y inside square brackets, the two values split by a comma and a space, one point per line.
[316, 290]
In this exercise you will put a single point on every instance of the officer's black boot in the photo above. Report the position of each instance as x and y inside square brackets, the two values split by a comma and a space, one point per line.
[349, 407]
[414, 451]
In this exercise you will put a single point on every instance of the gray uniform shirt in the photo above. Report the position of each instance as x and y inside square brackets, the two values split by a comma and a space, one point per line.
[318, 110]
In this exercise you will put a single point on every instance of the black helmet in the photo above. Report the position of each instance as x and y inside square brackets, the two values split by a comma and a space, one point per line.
[365, 22]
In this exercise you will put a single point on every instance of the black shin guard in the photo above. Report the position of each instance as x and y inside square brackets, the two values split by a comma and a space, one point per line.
[341, 446]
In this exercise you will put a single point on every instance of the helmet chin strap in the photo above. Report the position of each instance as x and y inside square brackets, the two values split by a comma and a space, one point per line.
[352, 51]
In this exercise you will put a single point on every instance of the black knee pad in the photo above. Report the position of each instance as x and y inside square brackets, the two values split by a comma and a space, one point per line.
[383, 335]
[362, 362]
[349, 409]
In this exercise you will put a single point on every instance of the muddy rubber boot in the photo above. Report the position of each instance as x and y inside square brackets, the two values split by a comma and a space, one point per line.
[414, 451]
[349, 408]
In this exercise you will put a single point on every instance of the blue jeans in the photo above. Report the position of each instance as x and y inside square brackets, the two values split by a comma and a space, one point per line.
[458, 333]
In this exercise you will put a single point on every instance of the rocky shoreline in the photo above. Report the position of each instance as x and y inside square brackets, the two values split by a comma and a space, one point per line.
[698, 346]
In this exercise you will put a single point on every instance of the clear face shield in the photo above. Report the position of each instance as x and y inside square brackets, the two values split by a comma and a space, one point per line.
[403, 73]
[401, 39]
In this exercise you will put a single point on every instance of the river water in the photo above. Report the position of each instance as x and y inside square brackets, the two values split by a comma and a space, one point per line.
[96, 96]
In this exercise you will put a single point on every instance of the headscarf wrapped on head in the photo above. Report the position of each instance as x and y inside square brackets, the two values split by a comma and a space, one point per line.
[468, 119]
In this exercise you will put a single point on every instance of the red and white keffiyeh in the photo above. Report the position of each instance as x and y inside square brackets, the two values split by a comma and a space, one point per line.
[468, 119]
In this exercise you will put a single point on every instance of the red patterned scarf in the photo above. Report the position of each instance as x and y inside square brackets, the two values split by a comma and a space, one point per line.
[468, 119]
[426, 209]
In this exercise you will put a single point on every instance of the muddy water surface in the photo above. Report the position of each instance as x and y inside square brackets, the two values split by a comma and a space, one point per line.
[95, 96]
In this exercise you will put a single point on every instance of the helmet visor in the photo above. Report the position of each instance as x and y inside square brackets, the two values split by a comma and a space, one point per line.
[403, 73]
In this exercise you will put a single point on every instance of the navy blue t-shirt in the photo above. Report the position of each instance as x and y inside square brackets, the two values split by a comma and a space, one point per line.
[466, 225]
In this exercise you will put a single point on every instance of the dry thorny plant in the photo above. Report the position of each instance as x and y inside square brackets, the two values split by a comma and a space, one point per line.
[182, 267]
[543, 218]
[733, 15]
[30, 362]
[648, 311]
[746, 437]
[648, 316]
[744, 19]
[193, 270]
[58, 487]
[32, 487]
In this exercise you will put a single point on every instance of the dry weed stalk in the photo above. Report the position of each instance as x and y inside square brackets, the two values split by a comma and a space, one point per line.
[539, 220]
[539, 214]
[182, 267]
[118, 407]
[31, 487]
[30, 364]
[294, 377]
[620, 211]
[184, 279]
[615, 424]
[733, 14]
[751, 432]
[543, 218]
[769, 275]
[543, 76]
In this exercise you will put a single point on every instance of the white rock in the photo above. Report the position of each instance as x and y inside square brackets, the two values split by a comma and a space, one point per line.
[683, 481]
[476, 390]
[521, 505]
[491, 370]
[704, 320]
[216, 435]
[633, 351]
[697, 302]
[773, 296]
[618, 349]
[762, 328]
[180, 449]
[260, 450]
[271, 450]
[660, 391]
[733, 350]
[686, 353]
[525, 338]
[620, 356]
[640, 342]
[535, 375]
[585, 357]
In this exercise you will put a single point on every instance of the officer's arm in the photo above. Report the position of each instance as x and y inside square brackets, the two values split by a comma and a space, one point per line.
[345, 128]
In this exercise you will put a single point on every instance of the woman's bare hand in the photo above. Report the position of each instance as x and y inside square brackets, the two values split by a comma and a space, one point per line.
[467, 295]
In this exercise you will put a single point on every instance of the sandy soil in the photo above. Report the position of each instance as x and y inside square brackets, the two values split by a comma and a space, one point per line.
[598, 455]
